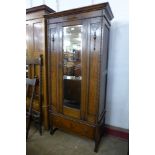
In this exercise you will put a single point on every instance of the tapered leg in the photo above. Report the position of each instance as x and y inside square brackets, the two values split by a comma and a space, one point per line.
[96, 147]
[97, 138]
[28, 127]
[97, 141]
[40, 127]
[40, 123]
[51, 130]
[51, 123]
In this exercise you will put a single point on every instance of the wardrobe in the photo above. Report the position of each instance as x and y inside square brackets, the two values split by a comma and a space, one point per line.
[77, 63]
[35, 46]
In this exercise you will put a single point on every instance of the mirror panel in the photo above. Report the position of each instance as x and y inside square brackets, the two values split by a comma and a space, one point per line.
[72, 48]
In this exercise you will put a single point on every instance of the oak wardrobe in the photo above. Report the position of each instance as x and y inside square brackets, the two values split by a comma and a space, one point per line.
[77, 62]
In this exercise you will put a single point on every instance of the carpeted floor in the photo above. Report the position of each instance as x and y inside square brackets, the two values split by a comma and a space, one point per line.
[62, 143]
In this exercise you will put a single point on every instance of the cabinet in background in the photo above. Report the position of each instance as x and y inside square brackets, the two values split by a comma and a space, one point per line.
[35, 46]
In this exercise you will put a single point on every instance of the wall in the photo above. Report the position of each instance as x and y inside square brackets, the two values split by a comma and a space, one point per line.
[118, 80]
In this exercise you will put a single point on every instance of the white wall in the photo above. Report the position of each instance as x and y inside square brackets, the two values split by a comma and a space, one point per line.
[118, 81]
[117, 91]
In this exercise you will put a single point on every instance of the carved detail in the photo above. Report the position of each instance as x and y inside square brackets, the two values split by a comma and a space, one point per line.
[53, 31]
[94, 40]
[94, 28]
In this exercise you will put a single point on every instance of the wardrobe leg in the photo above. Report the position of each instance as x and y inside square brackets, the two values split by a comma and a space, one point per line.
[51, 124]
[97, 142]
[96, 147]
[51, 130]
[97, 138]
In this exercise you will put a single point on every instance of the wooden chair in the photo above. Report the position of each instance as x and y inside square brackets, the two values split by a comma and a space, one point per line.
[30, 83]
[34, 79]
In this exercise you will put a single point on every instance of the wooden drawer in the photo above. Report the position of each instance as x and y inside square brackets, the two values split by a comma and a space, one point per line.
[74, 126]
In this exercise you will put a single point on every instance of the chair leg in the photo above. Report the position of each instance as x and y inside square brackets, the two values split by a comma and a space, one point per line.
[40, 127]
[40, 130]
[28, 127]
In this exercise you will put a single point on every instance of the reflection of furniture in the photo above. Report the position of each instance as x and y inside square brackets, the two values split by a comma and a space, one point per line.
[77, 70]
[35, 44]
[72, 92]
[30, 83]
[88, 118]
[34, 94]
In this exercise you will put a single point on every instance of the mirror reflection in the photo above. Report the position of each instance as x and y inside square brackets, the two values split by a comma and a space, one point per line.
[72, 47]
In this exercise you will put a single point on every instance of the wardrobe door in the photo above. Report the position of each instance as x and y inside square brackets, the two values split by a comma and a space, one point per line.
[94, 48]
[54, 49]
[71, 68]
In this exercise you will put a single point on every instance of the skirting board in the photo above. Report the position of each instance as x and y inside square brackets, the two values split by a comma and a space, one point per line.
[118, 132]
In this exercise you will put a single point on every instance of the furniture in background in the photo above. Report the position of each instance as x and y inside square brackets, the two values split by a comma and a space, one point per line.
[35, 45]
[29, 83]
[34, 93]
[77, 61]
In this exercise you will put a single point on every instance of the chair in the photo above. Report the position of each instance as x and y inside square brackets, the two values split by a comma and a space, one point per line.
[30, 83]
[34, 81]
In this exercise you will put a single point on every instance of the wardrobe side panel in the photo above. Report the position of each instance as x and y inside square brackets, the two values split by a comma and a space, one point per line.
[103, 69]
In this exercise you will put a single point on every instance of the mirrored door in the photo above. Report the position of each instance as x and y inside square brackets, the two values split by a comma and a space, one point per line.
[72, 49]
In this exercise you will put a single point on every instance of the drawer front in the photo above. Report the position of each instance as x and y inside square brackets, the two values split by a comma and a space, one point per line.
[74, 126]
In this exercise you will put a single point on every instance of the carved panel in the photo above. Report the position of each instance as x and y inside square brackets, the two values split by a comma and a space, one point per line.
[94, 49]
[52, 69]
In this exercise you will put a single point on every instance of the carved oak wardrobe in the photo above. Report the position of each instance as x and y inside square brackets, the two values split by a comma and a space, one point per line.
[77, 63]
